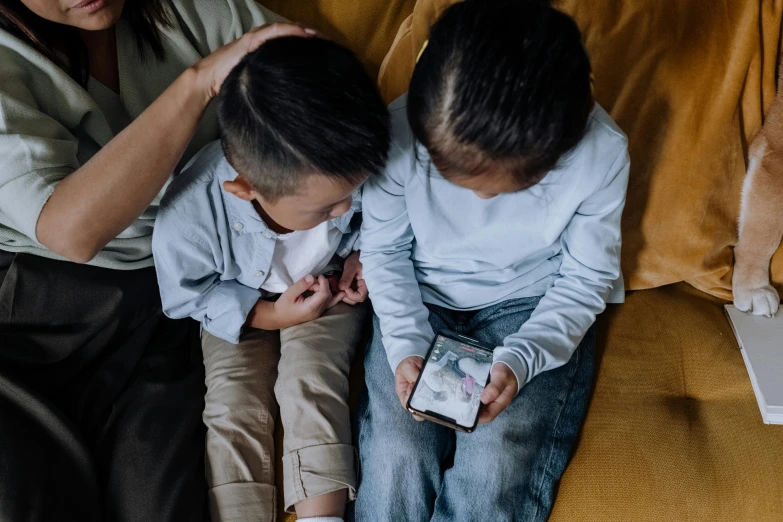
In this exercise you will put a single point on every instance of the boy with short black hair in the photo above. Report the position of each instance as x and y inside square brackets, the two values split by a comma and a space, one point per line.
[243, 243]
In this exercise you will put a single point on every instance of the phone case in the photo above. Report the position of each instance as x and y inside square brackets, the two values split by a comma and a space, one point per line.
[433, 416]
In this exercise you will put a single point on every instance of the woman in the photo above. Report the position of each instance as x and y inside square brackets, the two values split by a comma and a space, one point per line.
[100, 395]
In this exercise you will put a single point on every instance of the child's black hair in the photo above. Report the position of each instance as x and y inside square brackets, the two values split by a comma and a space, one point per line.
[501, 83]
[301, 106]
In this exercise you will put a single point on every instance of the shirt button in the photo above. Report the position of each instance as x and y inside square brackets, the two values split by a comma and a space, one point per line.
[258, 273]
[267, 234]
[238, 226]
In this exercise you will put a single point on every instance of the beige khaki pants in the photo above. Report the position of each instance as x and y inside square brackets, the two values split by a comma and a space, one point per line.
[305, 367]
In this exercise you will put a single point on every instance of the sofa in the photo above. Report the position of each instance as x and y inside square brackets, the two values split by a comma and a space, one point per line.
[673, 431]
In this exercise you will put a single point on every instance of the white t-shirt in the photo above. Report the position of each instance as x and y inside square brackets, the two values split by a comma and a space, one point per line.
[300, 253]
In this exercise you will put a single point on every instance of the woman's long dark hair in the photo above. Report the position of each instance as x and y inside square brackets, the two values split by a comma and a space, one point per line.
[144, 16]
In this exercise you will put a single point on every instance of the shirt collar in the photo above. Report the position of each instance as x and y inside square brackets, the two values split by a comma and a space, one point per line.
[244, 218]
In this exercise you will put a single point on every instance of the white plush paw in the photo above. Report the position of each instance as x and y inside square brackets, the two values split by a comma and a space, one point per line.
[758, 301]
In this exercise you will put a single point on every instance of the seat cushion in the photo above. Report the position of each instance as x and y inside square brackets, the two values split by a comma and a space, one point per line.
[673, 431]
[689, 83]
[367, 27]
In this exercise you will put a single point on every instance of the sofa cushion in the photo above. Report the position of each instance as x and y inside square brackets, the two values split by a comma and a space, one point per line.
[673, 431]
[689, 83]
[367, 27]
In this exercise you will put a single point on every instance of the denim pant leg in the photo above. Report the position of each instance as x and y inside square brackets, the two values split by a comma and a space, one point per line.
[400, 458]
[508, 470]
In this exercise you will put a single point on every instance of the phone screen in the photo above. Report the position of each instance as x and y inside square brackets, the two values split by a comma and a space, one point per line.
[451, 382]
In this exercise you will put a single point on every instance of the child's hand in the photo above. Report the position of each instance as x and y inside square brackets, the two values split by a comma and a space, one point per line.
[405, 379]
[334, 286]
[351, 283]
[498, 394]
[294, 308]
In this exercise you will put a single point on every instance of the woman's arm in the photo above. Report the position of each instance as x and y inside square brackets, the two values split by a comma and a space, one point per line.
[95, 203]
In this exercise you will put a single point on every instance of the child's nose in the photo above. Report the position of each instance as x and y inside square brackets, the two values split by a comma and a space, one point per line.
[342, 207]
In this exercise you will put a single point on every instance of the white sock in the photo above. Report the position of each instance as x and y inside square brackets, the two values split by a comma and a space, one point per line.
[320, 519]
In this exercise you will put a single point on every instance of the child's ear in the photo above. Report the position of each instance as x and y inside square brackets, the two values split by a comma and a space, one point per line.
[240, 188]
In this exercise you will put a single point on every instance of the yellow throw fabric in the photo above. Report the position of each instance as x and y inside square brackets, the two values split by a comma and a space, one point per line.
[367, 27]
[673, 431]
[689, 83]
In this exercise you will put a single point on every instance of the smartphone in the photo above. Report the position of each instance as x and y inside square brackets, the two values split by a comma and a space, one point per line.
[455, 372]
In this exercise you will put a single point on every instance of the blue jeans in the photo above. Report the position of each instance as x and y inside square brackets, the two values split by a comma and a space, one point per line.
[506, 470]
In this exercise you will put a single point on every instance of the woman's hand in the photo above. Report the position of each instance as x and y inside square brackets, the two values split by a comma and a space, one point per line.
[212, 70]
[499, 393]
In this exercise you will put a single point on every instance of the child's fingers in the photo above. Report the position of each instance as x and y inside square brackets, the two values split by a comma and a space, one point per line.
[361, 288]
[300, 287]
[405, 378]
[409, 376]
[349, 274]
[359, 295]
[489, 412]
[507, 395]
[405, 402]
[324, 286]
[502, 401]
[490, 393]
[321, 295]
[353, 295]
[401, 388]
[352, 270]
[410, 369]
[320, 285]
[337, 298]
[334, 284]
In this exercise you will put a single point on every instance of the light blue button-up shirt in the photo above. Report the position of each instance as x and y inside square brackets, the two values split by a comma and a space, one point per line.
[213, 251]
[425, 239]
